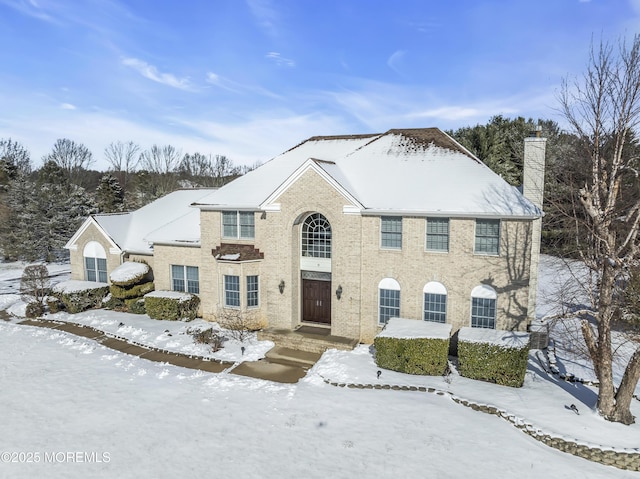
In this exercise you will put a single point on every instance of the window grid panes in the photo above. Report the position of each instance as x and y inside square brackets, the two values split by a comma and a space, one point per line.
[391, 232]
[247, 224]
[232, 291]
[96, 269]
[230, 224]
[483, 313]
[185, 278]
[316, 237]
[238, 224]
[252, 291]
[435, 307]
[193, 281]
[437, 234]
[389, 305]
[487, 236]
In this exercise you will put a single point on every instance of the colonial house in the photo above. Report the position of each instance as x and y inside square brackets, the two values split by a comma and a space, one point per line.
[343, 233]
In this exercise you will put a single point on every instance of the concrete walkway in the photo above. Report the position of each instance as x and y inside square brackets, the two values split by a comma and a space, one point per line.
[263, 369]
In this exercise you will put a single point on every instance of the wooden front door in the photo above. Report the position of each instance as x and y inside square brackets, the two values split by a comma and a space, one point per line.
[316, 301]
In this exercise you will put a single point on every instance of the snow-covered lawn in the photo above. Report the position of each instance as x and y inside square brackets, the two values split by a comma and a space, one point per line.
[128, 417]
[64, 394]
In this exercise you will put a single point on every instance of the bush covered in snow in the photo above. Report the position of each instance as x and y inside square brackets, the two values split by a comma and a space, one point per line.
[413, 347]
[34, 309]
[130, 273]
[135, 305]
[129, 292]
[79, 296]
[171, 305]
[494, 356]
[54, 304]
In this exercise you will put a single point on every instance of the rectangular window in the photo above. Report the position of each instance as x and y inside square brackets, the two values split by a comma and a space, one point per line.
[483, 313]
[95, 269]
[438, 234]
[391, 232]
[193, 281]
[389, 305]
[238, 224]
[487, 237]
[185, 278]
[232, 291]
[435, 307]
[252, 292]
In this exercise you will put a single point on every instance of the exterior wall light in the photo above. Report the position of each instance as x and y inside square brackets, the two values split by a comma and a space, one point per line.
[281, 286]
[339, 291]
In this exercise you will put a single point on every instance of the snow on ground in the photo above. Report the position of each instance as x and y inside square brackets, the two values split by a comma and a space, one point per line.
[173, 336]
[66, 394]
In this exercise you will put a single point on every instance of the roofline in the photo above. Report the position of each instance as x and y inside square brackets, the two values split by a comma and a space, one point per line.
[89, 221]
[450, 214]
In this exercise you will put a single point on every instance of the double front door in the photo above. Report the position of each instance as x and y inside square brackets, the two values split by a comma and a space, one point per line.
[316, 301]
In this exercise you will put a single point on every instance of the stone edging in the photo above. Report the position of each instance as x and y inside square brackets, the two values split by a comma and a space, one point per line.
[628, 459]
[127, 340]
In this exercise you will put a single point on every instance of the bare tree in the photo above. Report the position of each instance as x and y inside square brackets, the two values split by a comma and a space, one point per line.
[207, 170]
[603, 110]
[34, 283]
[123, 157]
[74, 158]
[160, 162]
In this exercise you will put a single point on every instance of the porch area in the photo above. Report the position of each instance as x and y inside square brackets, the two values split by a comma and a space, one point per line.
[307, 338]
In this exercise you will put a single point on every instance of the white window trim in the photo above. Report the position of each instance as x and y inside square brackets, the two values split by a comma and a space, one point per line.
[392, 248]
[426, 235]
[475, 227]
[185, 277]
[224, 292]
[246, 282]
[238, 235]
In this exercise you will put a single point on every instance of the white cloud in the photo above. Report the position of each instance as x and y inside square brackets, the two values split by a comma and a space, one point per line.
[152, 73]
[280, 60]
[67, 106]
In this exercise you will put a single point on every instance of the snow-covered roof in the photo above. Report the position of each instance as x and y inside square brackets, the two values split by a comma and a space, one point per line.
[413, 328]
[167, 220]
[414, 171]
[497, 337]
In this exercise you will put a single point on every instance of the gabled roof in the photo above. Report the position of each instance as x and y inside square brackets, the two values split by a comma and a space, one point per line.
[410, 171]
[169, 220]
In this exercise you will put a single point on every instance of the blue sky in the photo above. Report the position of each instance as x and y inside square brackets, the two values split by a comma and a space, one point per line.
[250, 79]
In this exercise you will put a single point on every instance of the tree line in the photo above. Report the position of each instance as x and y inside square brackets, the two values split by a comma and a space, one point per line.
[40, 209]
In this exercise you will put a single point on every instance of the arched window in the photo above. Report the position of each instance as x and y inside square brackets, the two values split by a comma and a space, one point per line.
[435, 302]
[316, 236]
[389, 300]
[95, 262]
[483, 307]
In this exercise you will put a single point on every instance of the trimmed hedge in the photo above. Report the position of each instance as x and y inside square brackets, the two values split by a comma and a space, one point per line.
[54, 304]
[493, 363]
[128, 292]
[130, 273]
[168, 306]
[78, 301]
[135, 305]
[427, 356]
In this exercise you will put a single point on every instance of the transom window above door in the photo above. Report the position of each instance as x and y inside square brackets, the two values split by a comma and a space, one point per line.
[316, 236]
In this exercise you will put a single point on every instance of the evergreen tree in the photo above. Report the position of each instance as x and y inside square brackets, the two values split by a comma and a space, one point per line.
[109, 195]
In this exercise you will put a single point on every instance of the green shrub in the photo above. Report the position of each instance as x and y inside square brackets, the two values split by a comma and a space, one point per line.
[130, 273]
[504, 364]
[128, 292]
[34, 309]
[412, 355]
[79, 296]
[135, 305]
[54, 304]
[111, 302]
[171, 305]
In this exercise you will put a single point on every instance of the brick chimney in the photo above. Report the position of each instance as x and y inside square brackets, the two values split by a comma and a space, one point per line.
[533, 190]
